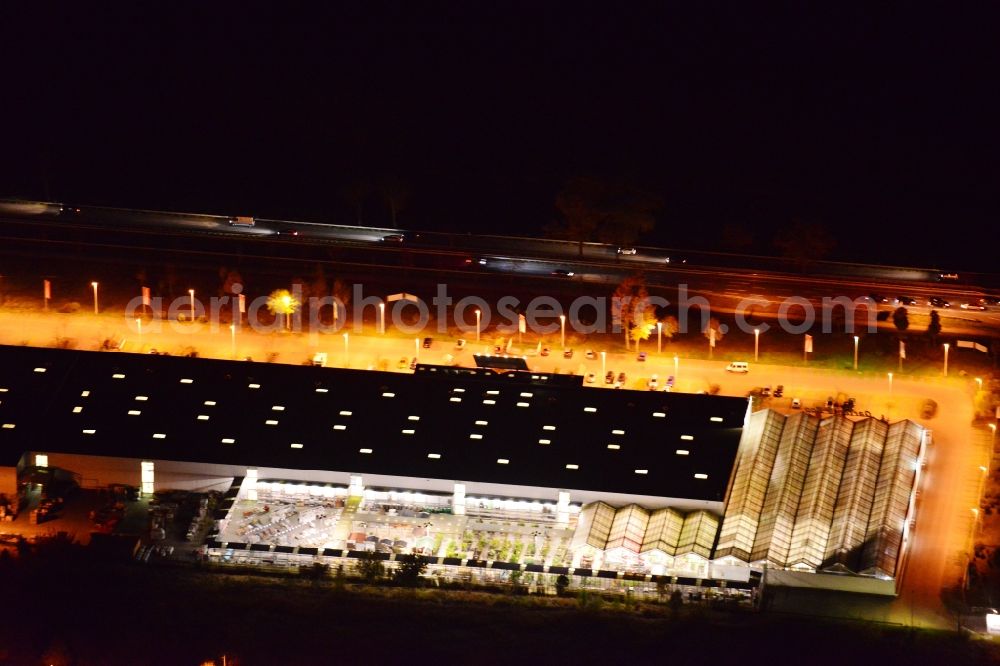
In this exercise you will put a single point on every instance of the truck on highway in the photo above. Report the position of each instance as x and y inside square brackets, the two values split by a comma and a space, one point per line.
[241, 221]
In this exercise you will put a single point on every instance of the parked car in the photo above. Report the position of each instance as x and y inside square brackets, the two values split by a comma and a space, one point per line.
[610, 377]
[591, 378]
[905, 300]
[403, 362]
[738, 366]
[652, 383]
[641, 357]
[567, 353]
[938, 302]
[413, 363]
[427, 342]
[765, 392]
[670, 381]
[591, 354]
[621, 377]
[546, 351]
[796, 403]
[779, 390]
[460, 344]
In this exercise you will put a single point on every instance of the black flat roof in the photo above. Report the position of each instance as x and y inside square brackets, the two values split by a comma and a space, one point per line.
[443, 423]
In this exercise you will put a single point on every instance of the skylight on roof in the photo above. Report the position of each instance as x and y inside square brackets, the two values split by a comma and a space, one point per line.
[482, 423]
[617, 432]
[687, 438]
[454, 399]
[364, 450]
[548, 427]
[701, 476]
[10, 426]
[716, 419]
[340, 427]
[434, 456]
[489, 402]
[642, 471]
[682, 452]
[117, 375]
[590, 409]
[475, 435]
[228, 440]
[83, 394]
[134, 412]
[614, 447]
[39, 369]
[77, 409]
[210, 403]
[545, 441]
[408, 431]
[458, 390]
[270, 422]
[253, 386]
[659, 415]
[346, 412]
[388, 394]
[572, 466]
[203, 417]
[278, 408]
[87, 431]
[412, 417]
[524, 404]
[527, 395]
[159, 435]
[142, 398]
[322, 390]
[185, 380]
[493, 392]
[296, 445]
[502, 461]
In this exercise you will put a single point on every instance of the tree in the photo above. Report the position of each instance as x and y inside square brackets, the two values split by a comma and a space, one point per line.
[901, 319]
[356, 193]
[714, 329]
[592, 209]
[562, 583]
[934, 326]
[625, 303]
[230, 278]
[409, 571]
[370, 567]
[669, 327]
[643, 322]
[281, 301]
[676, 601]
[805, 242]
[397, 195]
[736, 237]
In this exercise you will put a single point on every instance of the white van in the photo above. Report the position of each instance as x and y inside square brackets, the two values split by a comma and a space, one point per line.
[738, 366]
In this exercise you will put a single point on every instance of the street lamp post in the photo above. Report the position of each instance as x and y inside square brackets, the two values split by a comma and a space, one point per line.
[232, 336]
[347, 350]
[604, 360]
[191, 294]
[94, 285]
[979, 382]
[677, 361]
[890, 386]
[659, 337]
[562, 330]
[756, 344]
[138, 325]
[416, 347]
[946, 346]
[381, 318]
[478, 320]
[856, 340]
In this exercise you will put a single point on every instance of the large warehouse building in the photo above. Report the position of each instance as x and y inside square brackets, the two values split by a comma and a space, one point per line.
[468, 466]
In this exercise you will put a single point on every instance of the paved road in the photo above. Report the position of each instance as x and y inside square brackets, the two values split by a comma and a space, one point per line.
[950, 485]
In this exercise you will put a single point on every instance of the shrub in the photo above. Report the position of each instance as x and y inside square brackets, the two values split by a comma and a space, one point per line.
[928, 409]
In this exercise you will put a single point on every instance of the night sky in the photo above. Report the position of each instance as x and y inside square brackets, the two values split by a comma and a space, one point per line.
[880, 123]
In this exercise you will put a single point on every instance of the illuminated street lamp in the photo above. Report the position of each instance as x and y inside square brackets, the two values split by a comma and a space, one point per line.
[946, 347]
[94, 285]
[347, 350]
[479, 316]
[191, 294]
[416, 347]
[604, 359]
[659, 337]
[856, 340]
[677, 361]
[562, 329]
[138, 325]
[756, 345]
[232, 335]
[979, 381]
